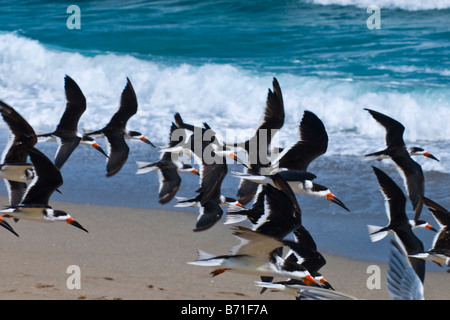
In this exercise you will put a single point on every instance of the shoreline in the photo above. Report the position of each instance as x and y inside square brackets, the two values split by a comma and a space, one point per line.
[142, 254]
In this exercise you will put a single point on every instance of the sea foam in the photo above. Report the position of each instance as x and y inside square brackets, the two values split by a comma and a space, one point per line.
[409, 5]
[229, 98]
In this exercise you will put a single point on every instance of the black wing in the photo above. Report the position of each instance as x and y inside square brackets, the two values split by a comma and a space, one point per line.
[128, 107]
[282, 215]
[212, 176]
[22, 137]
[394, 129]
[16, 191]
[75, 106]
[414, 179]
[441, 214]
[312, 144]
[48, 179]
[273, 113]
[394, 196]
[118, 154]
[170, 181]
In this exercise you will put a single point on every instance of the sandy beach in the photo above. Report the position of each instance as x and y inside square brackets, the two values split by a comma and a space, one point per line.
[139, 254]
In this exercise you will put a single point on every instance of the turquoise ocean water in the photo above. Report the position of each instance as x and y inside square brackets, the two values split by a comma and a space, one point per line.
[214, 61]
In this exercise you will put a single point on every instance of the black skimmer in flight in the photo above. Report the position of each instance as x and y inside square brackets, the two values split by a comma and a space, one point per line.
[395, 209]
[211, 157]
[202, 143]
[253, 257]
[402, 281]
[273, 213]
[399, 223]
[169, 166]
[440, 251]
[304, 292]
[66, 133]
[299, 181]
[272, 122]
[116, 133]
[312, 144]
[225, 201]
[15, 168]
[303, 250]
[35, 203]
[396, 150]
[211, 178]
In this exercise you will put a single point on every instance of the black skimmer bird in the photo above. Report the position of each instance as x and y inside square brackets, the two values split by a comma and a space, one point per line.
[395, 209]
[303, 250]
[169, 166]
[211, 157]
[402, 281]
[225, 201]
[299, 181]
[15, 168]
[440, 251]
[35, 203]
[202, 143]
[211, 178]
[312, 144]
[66, 133]
[396, 150]
[253, 257]
[272, 122]
[399, 223]
[116, 133]
[304, 292]
[273, 213]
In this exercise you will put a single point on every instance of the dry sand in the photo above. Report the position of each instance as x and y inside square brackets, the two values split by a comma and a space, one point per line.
[139, 254]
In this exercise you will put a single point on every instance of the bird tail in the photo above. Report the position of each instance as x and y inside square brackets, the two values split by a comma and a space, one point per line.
[379, 155]
[145, 167]
[234, 217]
[376, 233]
[185, 202]
[205, 259]
[277, 287]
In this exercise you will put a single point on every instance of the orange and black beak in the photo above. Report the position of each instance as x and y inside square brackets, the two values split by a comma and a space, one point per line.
[195, 171]
[74, 223]
[6, 225]
[234, 157]
[430, 227]
[310, 281]
[325, 284]
[96, 146]
[331, 197]
[429, 155]
[147, 141]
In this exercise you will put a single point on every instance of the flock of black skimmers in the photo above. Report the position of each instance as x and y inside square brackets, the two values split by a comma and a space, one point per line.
[271, 177]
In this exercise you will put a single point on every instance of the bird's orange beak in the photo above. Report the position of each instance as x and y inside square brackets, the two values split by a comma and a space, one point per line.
[309, 280]
[144, 139]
